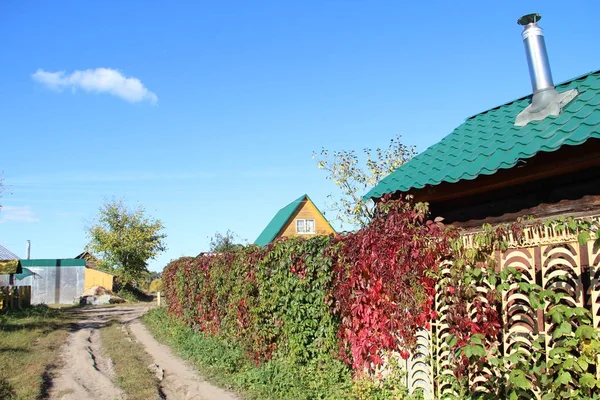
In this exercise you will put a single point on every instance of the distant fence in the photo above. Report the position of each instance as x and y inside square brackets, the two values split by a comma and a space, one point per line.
[12, 298]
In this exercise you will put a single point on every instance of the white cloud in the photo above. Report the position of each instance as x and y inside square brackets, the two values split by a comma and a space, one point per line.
[99, 80]
[17, 214]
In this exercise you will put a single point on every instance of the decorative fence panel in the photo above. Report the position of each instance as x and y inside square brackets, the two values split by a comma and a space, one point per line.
[12, 298]
[552, 259]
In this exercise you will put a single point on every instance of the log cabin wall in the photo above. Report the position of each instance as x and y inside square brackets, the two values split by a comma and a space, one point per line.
[564, 182]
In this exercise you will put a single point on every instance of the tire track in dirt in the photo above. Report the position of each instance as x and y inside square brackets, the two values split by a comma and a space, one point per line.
[86, 374]
[180, 381]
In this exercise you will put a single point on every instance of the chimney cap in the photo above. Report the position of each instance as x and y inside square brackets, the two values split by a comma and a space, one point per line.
[529, 19]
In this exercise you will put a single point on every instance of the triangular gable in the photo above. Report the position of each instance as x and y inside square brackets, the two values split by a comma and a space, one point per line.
[281, 219]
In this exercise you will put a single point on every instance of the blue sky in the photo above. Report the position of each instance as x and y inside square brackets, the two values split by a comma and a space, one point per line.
[207, 113]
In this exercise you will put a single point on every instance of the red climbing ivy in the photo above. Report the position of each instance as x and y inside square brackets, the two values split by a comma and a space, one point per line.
[362, 293]
[384, 285]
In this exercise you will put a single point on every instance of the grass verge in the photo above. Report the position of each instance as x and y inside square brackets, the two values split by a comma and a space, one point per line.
[226, 365]
[30, 344]
[131, 363]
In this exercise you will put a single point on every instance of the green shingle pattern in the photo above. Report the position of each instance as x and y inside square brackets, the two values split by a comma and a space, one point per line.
[488, 142]
[278, 222]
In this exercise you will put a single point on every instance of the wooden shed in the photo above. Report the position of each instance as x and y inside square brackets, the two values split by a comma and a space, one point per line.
[94, 276]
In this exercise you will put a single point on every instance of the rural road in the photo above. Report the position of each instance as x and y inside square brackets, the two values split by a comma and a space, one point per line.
[87, 374]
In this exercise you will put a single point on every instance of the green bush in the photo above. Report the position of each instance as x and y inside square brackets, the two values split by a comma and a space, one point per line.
[227, 364]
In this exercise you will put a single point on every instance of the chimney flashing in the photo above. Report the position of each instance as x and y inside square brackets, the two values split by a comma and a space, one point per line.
[545, 103]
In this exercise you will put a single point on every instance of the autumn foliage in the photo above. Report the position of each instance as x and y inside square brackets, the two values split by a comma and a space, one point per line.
[351, 296]
[384, 284]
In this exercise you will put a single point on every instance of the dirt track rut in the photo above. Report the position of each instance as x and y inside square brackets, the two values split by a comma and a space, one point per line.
[87, 374]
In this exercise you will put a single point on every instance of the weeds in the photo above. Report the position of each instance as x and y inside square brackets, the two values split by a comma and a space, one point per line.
[30, 344]
[228, 366]
[131, 363]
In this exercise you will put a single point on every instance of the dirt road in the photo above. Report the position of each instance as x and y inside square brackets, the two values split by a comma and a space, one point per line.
[87, 374]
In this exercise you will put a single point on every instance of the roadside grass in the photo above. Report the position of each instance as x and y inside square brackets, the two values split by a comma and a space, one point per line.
[131, 362]
[30, 345]
[225, 365]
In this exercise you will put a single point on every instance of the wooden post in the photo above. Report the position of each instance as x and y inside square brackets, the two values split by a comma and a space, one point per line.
[13, 298]
[158, 298]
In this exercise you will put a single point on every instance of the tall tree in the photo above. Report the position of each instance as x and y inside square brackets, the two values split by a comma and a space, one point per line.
[355, 177]
[125, 239]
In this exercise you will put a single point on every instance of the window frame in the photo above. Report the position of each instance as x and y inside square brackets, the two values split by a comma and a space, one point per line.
[304, 224]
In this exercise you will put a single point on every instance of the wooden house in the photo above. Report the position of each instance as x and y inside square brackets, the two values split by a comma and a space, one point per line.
[299, 218]
[535, 156]
[497, 166]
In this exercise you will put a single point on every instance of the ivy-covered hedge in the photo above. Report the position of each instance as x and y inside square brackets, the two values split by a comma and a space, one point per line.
[350, 297]
[355, 297]
[267, 301]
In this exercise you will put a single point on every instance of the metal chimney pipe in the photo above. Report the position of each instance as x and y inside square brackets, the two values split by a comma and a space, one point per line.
[535, 51]
[28, 250]
[546, 100]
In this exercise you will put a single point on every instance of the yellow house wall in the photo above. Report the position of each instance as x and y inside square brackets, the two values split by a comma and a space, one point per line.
[307, 211]
[93, 277]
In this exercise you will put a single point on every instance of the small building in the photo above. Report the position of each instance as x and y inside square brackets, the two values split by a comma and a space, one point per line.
[94, 276]
[60, 281]
[299, 218]
[53, 281]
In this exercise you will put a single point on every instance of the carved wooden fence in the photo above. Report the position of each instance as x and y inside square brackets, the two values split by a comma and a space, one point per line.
[12, 298]
[551, 259]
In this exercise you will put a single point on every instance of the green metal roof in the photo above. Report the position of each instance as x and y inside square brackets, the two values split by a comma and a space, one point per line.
[278, 221]
[65, 262]
[489, 141]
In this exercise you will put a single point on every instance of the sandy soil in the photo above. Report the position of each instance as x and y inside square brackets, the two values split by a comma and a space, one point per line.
[87, 374]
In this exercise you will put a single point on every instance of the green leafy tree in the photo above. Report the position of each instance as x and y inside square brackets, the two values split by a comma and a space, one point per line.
[355, 177]
[221, 243]
[125, 239]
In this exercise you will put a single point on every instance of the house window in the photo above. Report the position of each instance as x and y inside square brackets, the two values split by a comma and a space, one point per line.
[305, 226]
